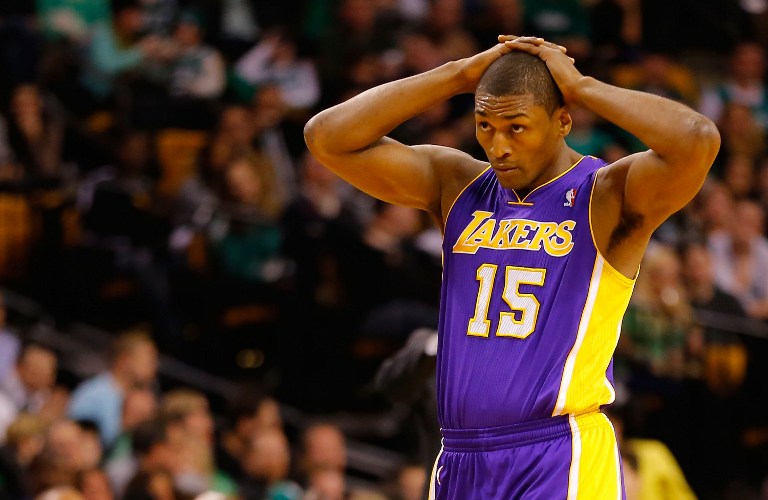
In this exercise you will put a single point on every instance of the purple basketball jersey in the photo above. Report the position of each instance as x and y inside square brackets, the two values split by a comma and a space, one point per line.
[530, 311]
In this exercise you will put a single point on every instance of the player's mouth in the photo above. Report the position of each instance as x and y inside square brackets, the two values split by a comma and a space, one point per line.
[503, 167]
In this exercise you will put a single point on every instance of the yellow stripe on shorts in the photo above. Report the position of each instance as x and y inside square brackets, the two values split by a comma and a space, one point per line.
[595, 472]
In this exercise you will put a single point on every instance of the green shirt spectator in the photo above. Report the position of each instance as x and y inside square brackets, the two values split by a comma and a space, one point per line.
[73, 19]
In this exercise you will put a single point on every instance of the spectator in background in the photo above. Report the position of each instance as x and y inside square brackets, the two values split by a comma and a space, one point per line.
[739, 176]
[269, 114]
[198, 75]
[657, 323]
[234, 134]
[234, 25]
[25, 439]
[71, 19]
[721, 464]
[716, 209]
[191, 440]
[244, 236]
[323, 447]
[707, 297]
[248, 417]
[100, 398]
[159, 16]
[94, 484]
[658, 474]
[115, 49]
[62, 457]
[91, 451]
[121, 464]
[274, 60]
[116, 200]
[317, 223]
[323, 462]
[741, 258]
[153, 453]
[410, 482]
[139, 406]
[35, 131]
[200, 196]
[266, 463]
[125, 229]
[385, 253]
[30, 386]
[745, 86]
[742, 135]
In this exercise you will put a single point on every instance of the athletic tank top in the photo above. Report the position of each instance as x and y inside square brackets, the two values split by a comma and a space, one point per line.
[530, 311]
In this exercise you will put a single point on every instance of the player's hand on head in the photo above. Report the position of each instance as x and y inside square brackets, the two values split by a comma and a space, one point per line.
[560, 65]
[473, 67]
[533, 40]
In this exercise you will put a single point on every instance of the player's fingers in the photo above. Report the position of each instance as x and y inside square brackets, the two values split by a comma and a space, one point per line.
[550, 45]
[556, 47]
[524, 46]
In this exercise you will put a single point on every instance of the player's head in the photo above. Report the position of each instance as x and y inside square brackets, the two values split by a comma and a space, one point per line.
[520, 118]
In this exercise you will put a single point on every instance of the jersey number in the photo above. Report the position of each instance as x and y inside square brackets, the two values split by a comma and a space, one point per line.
[526, 304]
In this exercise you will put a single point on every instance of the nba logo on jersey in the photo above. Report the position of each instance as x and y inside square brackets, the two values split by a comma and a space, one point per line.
[570, 198]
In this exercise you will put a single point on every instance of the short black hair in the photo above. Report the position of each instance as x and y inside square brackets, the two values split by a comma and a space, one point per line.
[520, 73]
[147, 435]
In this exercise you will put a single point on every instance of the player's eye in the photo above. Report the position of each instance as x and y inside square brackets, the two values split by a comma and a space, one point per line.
[517, 128]
[484, 126]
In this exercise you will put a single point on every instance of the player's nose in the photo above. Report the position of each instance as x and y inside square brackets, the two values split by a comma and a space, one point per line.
[500, 147]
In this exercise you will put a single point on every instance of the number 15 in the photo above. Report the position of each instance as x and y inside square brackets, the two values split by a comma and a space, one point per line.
[525, 303]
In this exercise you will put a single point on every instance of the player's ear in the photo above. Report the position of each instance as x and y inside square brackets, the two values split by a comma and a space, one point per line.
[565, 120]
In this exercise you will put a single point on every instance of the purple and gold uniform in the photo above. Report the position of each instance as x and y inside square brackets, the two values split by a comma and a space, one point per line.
[529, 321]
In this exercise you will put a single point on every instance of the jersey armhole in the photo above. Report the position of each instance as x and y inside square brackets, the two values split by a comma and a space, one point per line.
[620, 276]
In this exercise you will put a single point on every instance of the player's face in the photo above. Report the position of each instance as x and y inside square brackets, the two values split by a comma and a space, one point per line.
[520, 138]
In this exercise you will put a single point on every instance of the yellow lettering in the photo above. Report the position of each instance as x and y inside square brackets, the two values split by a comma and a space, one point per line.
[521, 232]
[546, 229]
[466, 243]
[483, 232]
[500, 238]
[560, 248]
[482, 237]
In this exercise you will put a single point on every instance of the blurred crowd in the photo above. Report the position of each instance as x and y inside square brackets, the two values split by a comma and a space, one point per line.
[154, 183]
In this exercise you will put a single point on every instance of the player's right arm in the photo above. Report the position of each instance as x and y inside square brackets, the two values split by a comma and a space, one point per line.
[350, 138]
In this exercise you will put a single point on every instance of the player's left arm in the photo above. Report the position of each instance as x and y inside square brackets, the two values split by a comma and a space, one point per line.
[682, 143]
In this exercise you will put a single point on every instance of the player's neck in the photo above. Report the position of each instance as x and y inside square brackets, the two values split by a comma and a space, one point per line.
[564, 159]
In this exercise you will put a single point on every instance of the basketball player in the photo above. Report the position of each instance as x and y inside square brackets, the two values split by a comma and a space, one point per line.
[541, 249]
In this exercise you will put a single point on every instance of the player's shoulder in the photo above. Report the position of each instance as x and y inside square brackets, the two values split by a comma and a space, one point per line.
[612, 177]
[453, 169]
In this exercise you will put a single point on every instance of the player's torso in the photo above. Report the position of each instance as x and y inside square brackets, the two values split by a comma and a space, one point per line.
[521, 280]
